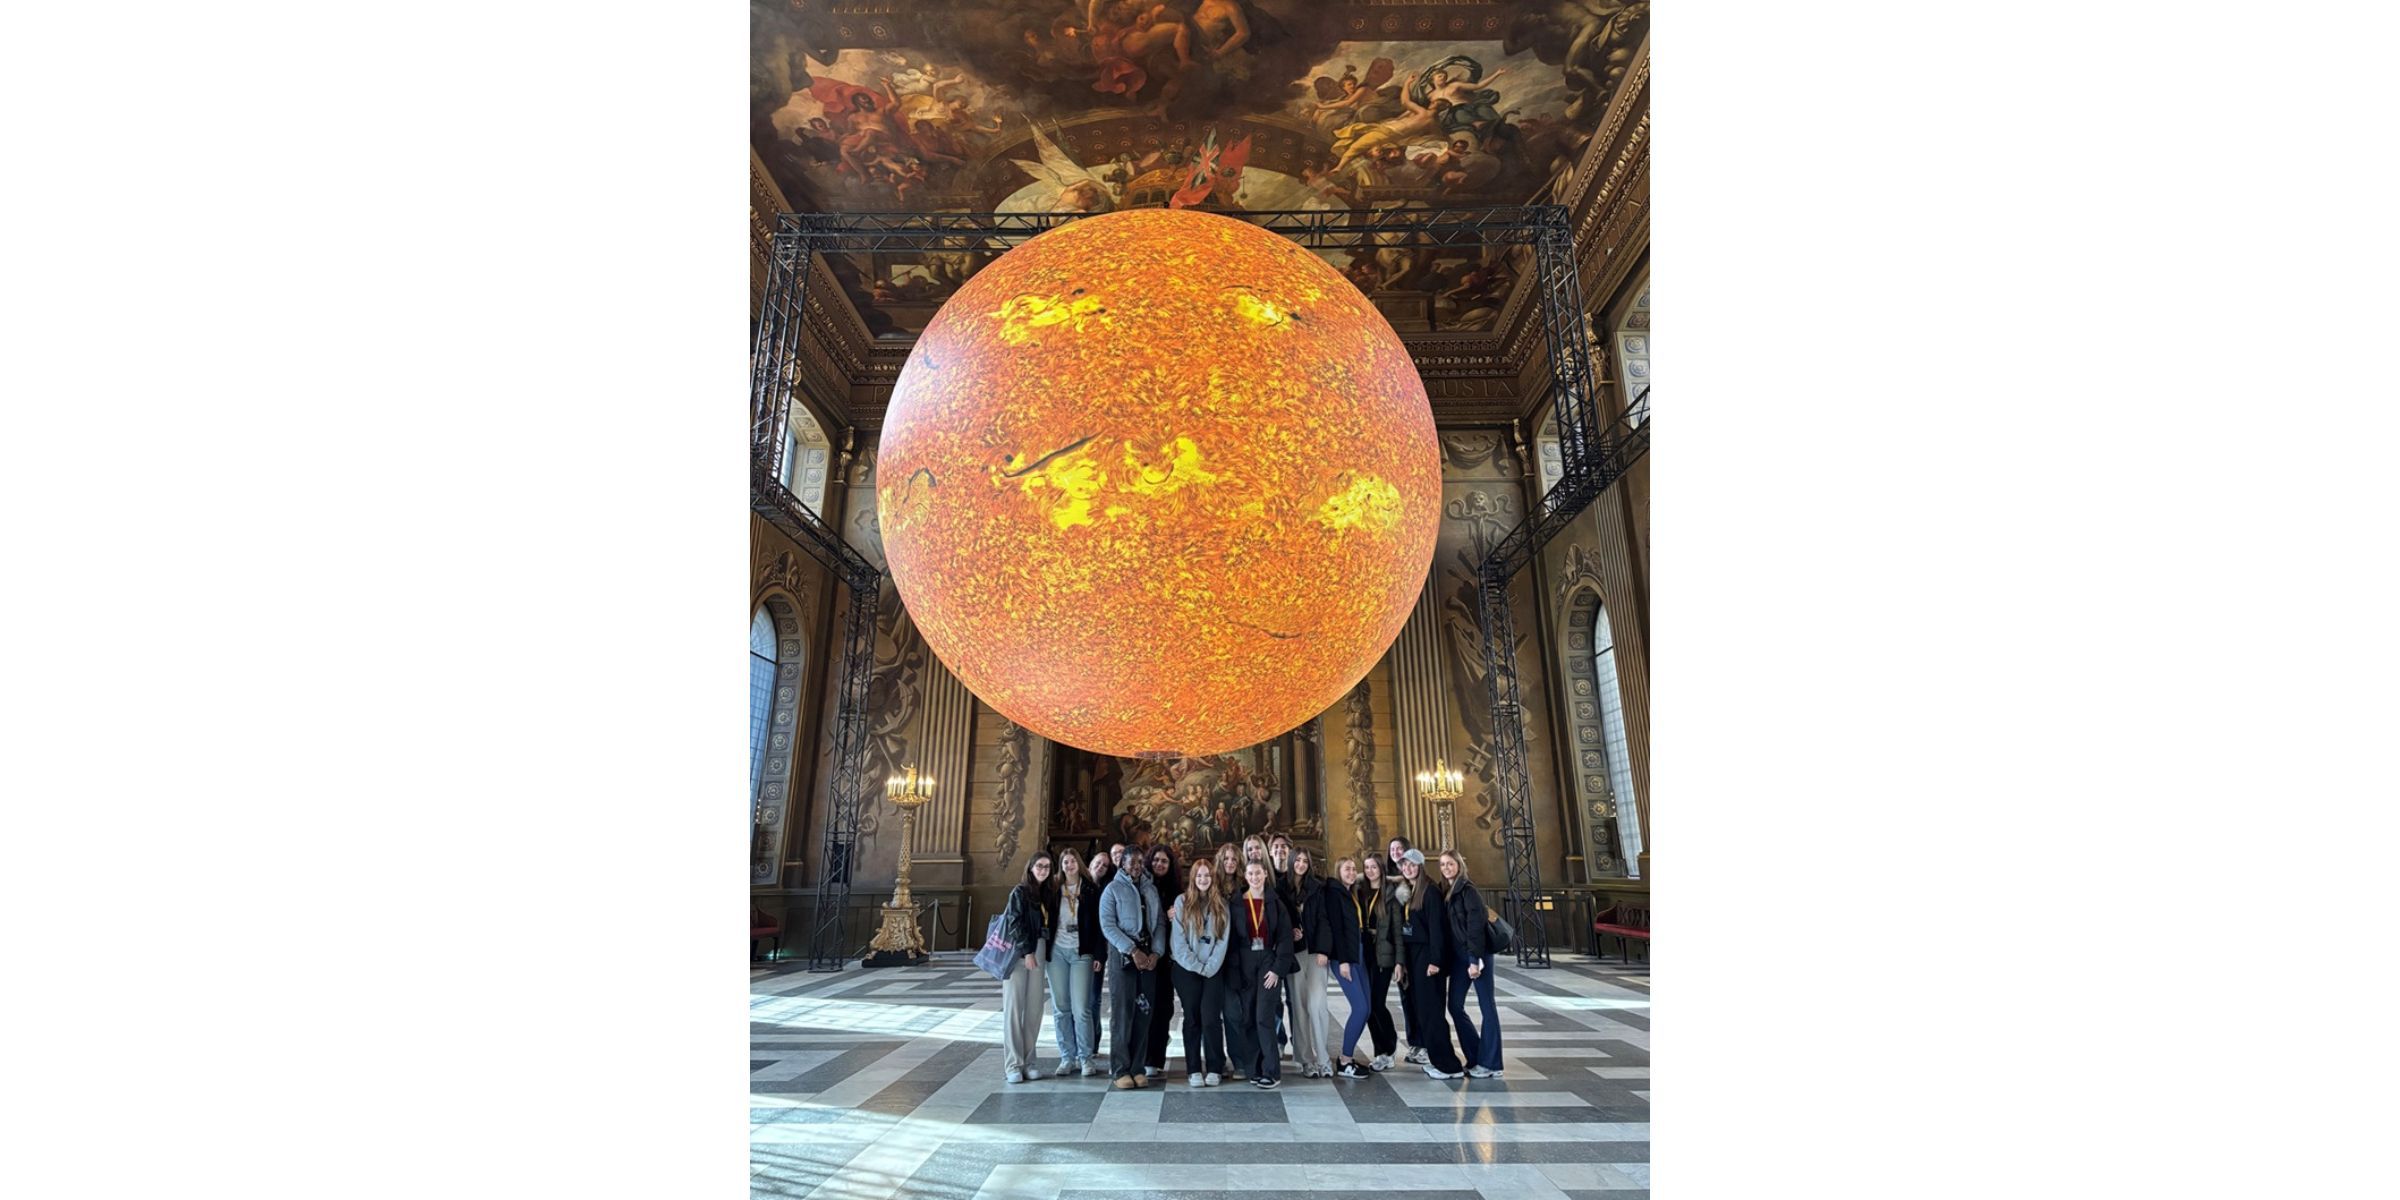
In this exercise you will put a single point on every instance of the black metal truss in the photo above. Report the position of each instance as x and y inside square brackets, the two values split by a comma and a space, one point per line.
[774, 367]
[1593, 458]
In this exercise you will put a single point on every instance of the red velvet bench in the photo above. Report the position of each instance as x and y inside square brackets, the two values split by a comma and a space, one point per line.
[1627, 924]
[767, 929]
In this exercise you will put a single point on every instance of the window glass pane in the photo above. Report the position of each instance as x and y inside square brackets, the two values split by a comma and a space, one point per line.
[762, 694]
[1612, 729]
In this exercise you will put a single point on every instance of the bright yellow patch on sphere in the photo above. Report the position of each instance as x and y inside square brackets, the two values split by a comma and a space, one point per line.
[1159, 481]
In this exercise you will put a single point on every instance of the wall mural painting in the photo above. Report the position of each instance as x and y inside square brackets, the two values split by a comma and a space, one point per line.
[1192, 803]
[1258, 105]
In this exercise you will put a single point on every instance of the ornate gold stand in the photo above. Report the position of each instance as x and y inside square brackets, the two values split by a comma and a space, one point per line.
[898, 942]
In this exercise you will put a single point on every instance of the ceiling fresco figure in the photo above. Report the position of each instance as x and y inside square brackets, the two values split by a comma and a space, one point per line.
[1090, 106]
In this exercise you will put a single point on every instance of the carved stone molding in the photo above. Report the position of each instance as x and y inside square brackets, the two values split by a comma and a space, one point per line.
[787, 572]
[1009, 812]
[1359, 761]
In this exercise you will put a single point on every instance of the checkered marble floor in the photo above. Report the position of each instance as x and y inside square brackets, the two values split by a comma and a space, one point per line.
[887, 1083]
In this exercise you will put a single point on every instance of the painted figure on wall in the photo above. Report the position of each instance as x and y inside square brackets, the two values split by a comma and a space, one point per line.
[1194, 804]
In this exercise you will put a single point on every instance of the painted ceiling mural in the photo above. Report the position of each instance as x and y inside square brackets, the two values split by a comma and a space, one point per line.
[1099, 105]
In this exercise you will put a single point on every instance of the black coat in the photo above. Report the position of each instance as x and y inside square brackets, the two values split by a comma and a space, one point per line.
[1088, 941]
[1316, 916]
[1285, 890]
[1342, 908]
[1470, 926]
[1425, 936]
[1249, 966]
[1029, 920]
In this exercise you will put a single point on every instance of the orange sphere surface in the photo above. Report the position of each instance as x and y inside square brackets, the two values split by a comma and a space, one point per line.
[1159, 482]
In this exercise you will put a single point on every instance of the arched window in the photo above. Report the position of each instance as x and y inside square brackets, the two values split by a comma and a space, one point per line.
[775, 660]
[1612, 725]
[762, 693]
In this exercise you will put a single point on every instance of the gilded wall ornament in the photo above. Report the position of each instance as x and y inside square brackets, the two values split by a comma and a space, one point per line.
[1009, 812]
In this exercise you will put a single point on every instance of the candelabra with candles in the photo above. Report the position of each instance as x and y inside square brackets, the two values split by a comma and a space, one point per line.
[1442, 786]
[899, 943]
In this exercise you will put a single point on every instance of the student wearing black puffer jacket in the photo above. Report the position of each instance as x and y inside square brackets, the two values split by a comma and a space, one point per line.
[1309, 1022]
[1029, 922]
[1425, 944]
[1471, 955]
[1348, 913]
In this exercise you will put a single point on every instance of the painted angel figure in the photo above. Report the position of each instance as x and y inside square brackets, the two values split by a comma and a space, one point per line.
[1461, 98]
[1076, 189]
[1351, 100]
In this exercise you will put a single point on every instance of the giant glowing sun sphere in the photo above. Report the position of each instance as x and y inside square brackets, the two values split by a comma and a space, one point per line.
[1159, 481]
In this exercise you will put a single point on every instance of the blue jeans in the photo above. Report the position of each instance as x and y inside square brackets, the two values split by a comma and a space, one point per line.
[1355, 990]
[1074, 1018]
[1477, 1048]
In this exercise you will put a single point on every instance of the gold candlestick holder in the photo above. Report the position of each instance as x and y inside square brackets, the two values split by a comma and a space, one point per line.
[898, 942]
[1442, 786]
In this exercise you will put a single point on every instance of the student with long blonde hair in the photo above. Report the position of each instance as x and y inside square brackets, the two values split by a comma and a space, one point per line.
[1347, 918]
[1074, 973]
[1200, 925]
[1471, 956]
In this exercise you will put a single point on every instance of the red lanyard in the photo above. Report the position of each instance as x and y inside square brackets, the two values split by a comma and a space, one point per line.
[1258, 916]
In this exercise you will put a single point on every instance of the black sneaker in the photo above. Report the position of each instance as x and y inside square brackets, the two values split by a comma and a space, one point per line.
[1266, 1085]
[1349, 1070]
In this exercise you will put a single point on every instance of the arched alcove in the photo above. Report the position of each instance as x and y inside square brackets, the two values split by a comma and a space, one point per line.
[1604, 791]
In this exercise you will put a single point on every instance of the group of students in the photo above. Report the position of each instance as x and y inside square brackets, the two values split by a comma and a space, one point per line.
[1246, 939]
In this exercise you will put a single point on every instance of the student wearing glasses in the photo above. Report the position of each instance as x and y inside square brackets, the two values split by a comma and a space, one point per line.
[1026, 923]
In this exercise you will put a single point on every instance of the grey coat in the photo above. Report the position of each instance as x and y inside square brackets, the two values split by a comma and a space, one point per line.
[1200, 955]
[1121, 905]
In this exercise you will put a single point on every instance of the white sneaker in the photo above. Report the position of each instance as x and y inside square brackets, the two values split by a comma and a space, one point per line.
[1416, 1054]
[1151, 1072]
[1196, 1079]
[1016, 1076]
[1031, 1073]
[1382, 1062]
[1213, 1079]
[1478, 1072]
[1434, 1071]
[1091, 1069]
[1066, 1067]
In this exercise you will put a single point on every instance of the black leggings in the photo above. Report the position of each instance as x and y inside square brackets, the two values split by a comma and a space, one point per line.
[1379, 1018]
[1203, 1020]
[1165, 982]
